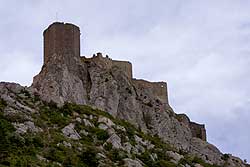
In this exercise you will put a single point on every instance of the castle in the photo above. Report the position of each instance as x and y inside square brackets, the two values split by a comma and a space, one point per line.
[99, 81]
[64, 40]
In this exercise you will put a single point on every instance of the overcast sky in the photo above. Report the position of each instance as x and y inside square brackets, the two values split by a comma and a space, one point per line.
[202, 50]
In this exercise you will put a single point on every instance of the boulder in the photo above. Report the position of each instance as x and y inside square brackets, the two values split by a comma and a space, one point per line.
[132, 163]
[115, 140]
[70, 132]
[25, 127]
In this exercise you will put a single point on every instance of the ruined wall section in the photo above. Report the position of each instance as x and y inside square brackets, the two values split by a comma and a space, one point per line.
[100, 61]
[107, 63]
[125, 66]
[61, 39]
[198, 130]
[146, 89]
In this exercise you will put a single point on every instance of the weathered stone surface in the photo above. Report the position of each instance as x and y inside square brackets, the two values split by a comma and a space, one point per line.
[234, 162]
[88, 123]
[206, 151]
[177, 157]
[103, 126]
[70, 132]
[198, 165]
[99, 83]
[127, 147]
[66, 144]
[106, 120]
[22, 128]
[115, 140]
[196, 146]
[144, 143]
[85, 133]
[108, 85]
[132, 163]
[9, 91]
[197, 130]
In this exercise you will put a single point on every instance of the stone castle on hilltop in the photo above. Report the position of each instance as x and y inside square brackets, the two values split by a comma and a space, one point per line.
[108, 84]
[64, 40]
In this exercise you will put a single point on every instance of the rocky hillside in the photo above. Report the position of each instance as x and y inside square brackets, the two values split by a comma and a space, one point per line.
[83, 111]
[37, 133]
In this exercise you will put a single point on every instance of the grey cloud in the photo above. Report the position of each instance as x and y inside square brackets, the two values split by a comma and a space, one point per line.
[201, 48]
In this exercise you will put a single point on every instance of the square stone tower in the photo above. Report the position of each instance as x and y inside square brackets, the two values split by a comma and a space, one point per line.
[61, 39]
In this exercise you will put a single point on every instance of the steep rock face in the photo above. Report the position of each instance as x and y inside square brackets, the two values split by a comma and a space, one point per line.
[32, 119]
[206, 151]
[61, 79]
[198, 130]
[111, 90]
[108, 85]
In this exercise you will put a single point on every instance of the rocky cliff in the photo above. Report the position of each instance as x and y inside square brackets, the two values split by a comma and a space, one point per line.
[37, 133]
[108, 85]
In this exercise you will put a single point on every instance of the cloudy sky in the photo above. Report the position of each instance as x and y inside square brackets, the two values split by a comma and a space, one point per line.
[202, 50]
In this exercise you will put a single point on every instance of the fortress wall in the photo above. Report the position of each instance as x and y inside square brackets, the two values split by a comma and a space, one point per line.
[125, 66]
[61, 39]
[99, 60]
[157, 89]
[184, 119]
[107, 63]
[198, 130]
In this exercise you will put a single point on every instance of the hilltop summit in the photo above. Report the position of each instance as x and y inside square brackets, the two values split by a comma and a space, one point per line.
[68, 79]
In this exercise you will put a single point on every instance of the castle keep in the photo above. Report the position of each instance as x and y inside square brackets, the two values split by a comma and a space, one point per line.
[107, 84]
[61, 39]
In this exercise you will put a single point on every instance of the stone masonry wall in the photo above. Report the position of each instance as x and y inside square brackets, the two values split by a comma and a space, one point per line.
[198, 130]
[126, 66]
[61, 39]
[108, 63]
[157, 89]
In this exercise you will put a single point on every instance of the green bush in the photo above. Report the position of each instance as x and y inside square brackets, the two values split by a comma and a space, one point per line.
[185, 161]
[200, 161]
[3, 104]
[26, 93]
[88, 157]
[108, 146]
[116, 155]
[145, 158]
[6, 128]
[53, 116]
[225, 157]
[54, 155]
[102, 134]
[163, 163]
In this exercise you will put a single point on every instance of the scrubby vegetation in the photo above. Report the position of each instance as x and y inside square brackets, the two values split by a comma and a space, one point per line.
[51, 147]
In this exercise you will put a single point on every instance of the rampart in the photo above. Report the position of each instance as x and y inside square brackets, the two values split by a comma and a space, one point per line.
[125, 66]
[198, 130]
[108, 63]
[157, 89]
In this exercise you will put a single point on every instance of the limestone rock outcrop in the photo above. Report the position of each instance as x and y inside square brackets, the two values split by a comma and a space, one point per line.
[108, 85]
[32, 119]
